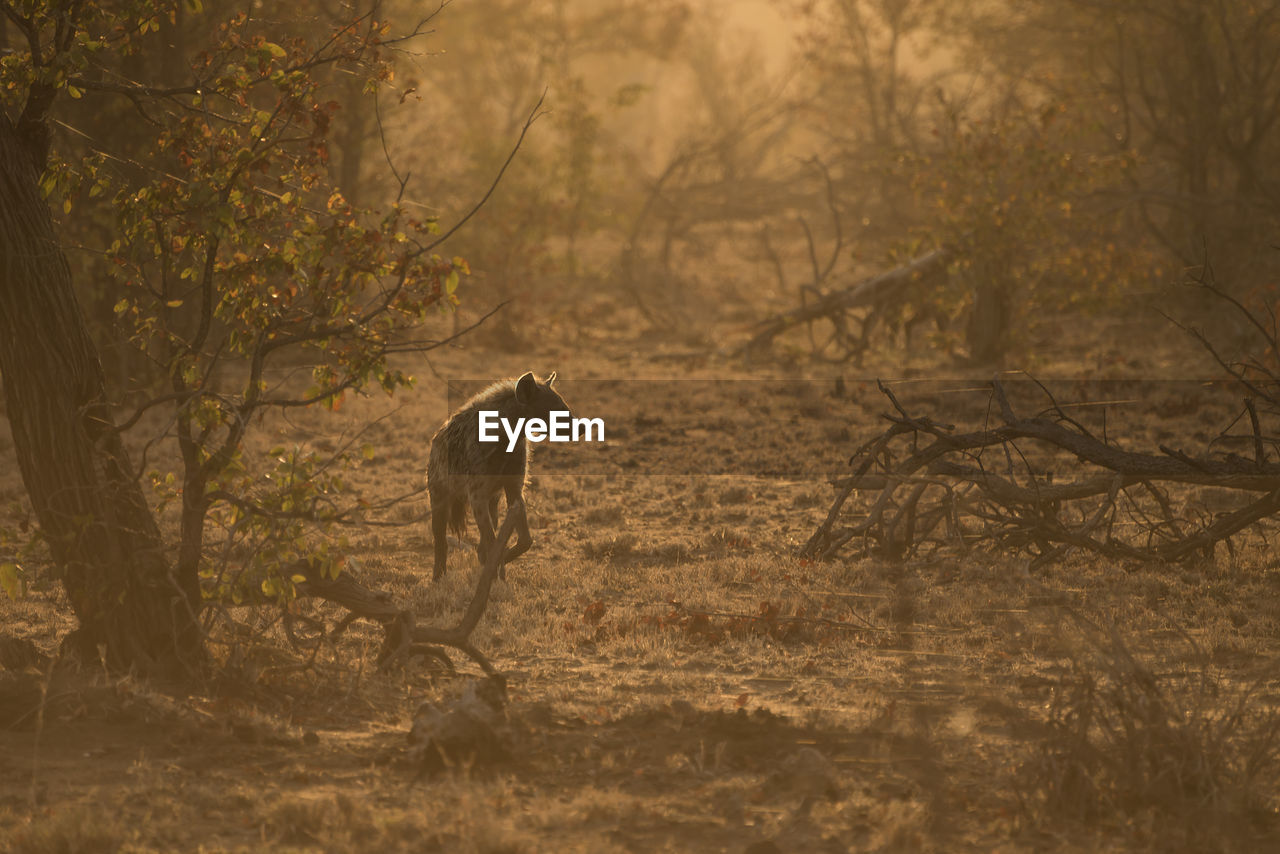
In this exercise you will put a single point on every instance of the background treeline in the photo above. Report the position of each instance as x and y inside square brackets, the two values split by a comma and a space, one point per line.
[698, 152]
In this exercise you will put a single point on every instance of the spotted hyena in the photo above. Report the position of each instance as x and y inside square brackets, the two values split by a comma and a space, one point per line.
[464, 471]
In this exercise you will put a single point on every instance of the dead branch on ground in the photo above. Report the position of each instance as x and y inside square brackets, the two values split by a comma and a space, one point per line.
[403, 637]
[875, 297]
[926, 483]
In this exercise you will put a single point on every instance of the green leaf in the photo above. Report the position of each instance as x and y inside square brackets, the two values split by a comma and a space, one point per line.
[11, 580]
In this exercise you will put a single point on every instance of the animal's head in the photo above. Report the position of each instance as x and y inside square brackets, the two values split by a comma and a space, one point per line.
[537, 399]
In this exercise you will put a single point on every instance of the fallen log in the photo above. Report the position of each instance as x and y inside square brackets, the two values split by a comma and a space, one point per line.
[869, 293]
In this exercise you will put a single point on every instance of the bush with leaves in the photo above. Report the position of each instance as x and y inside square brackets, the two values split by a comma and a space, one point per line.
[1021, 202]
[233, 252]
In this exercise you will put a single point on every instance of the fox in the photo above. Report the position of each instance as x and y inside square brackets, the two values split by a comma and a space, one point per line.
[462, 470]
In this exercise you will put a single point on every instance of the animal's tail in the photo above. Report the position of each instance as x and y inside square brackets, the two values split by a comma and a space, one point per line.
[458, 517]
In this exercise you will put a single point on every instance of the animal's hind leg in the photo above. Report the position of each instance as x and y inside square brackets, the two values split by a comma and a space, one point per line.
[480, 505]
[440, 531]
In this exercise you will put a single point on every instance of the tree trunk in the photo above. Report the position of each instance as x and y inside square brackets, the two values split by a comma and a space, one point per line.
[987, 333]
[351, 136]
[132, 611]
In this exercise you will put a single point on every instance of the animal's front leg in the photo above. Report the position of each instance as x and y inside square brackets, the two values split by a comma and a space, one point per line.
[523, 538]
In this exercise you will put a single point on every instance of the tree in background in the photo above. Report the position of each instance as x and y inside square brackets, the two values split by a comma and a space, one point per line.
[969, 126]
[538, 235]
[1194, 87]
[665, 142]
[712, 188]
[1023, 205]
[1188, 92]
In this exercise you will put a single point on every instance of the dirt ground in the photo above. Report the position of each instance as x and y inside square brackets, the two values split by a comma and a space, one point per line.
[678, 679]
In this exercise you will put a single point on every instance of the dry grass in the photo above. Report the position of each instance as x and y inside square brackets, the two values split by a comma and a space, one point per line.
[1182, 761]
[74, 830]
[679, 680]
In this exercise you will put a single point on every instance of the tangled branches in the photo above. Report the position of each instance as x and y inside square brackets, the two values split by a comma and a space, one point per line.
[928, 484]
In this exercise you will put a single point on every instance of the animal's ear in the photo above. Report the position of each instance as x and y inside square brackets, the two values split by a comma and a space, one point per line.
[551, 378]
[526, 387]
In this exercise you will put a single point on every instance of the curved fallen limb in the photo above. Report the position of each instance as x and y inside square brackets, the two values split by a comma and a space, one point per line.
[403, 637]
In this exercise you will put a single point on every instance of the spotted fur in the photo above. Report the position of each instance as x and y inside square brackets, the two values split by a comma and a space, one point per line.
[464, 472]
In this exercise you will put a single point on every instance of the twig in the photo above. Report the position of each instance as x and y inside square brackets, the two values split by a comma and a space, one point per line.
[534, 115]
